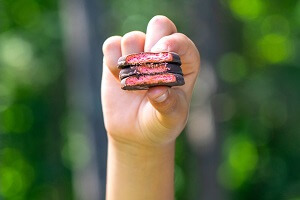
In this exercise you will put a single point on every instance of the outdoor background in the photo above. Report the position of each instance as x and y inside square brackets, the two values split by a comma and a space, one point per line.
[243, 136]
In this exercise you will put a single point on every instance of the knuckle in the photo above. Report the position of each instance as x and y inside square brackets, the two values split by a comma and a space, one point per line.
[170, 43]
[182, 36]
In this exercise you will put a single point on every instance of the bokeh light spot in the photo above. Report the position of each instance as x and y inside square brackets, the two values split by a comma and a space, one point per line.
[232, 67]
[241, 160]
[11, 182]
[15, 172]
[275, 48]
[243, 155]
[15, 52]
[76, 152]
[16, 119]
[246, 9]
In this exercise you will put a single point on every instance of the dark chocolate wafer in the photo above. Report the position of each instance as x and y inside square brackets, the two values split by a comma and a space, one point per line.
[144, 82]
[150, 68]
[148, 57]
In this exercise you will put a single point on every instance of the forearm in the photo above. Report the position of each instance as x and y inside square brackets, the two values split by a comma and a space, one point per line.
[140, 172]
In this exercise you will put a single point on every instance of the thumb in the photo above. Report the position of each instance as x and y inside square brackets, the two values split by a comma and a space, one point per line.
[170, 104]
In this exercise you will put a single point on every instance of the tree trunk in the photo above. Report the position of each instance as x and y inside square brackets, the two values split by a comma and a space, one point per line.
[82, 41]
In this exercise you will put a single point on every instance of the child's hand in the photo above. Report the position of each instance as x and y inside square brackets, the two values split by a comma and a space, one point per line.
[157, 116]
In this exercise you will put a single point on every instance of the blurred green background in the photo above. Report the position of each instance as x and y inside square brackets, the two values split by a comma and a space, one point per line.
[243, 137]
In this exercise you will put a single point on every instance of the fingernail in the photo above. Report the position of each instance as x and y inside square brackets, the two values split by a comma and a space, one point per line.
[162, 97]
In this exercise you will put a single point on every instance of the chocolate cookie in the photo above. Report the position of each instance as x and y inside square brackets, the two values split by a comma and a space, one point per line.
[143, 70]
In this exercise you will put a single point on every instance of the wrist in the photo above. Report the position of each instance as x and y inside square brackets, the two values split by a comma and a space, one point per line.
[128, 152]
[139, 171]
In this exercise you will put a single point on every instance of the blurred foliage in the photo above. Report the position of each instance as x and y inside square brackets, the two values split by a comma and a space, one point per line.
[32, 90]
[259, 103]
[261, 76]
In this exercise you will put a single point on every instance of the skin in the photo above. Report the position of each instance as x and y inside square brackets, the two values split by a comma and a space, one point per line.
[142, 126]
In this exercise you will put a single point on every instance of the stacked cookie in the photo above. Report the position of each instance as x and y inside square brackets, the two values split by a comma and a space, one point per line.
[144, 70]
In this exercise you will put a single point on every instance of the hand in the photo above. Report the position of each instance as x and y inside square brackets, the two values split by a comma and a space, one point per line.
[157, 116]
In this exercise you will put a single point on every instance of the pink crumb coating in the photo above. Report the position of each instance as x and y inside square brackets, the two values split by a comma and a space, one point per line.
[149, 57]
[150, 79]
